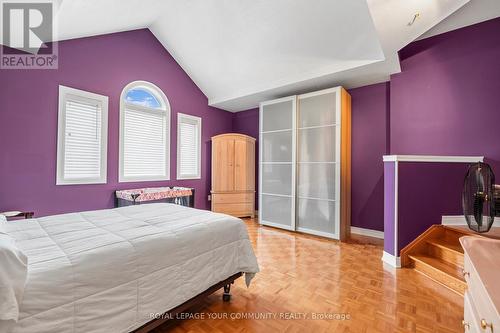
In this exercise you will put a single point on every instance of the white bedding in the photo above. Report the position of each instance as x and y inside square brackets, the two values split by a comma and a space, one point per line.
[110, 270]
[12, 280]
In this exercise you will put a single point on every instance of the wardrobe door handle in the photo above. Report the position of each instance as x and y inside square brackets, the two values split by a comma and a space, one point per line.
[485, 325]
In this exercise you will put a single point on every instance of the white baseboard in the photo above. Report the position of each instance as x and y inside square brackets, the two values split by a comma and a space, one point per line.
[367, 232]
[460, 220]
[391, 260]
[453, 220]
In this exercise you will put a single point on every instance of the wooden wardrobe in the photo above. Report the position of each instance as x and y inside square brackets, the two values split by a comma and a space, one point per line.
[233, 174]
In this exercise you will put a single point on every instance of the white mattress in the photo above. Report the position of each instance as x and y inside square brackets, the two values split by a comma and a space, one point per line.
[110, 270]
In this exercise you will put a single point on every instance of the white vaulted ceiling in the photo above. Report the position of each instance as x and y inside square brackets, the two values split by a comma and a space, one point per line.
[242, 52]
[255, 46]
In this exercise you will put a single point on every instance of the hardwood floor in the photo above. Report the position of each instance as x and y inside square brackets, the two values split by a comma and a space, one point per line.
[308, 276]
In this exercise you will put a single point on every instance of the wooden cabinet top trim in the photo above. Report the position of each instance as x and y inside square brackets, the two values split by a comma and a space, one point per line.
[242, 136]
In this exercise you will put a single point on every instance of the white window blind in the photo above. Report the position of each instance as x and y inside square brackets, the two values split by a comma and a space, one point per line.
[82, 137]
[188, 147]
[144, 144]
[144, 133]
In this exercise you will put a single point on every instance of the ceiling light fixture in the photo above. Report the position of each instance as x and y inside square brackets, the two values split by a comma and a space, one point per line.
[415, 17]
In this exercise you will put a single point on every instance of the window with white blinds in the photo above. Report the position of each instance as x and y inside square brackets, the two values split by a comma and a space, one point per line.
[82, 137]
[188, 147]
[144, 133]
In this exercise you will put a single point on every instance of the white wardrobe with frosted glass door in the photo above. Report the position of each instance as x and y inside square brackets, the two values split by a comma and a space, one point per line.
[305, 156]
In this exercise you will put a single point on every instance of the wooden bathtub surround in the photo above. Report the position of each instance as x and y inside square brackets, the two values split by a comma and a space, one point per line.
[438, 254]
[233, 174]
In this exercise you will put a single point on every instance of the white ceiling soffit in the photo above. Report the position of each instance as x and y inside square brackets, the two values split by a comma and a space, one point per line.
[390, 18]
[473, 12]
[242, 52]
[391, 22]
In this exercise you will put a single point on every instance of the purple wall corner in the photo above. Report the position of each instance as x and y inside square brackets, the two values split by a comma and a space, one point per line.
[390, 207]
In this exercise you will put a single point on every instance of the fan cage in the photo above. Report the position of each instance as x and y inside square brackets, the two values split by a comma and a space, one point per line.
[480, 197]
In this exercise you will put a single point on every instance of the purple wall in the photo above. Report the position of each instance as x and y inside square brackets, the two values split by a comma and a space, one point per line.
[104, 65]
[427, 191]
[247, 122]
[446, 101]
[370, 110]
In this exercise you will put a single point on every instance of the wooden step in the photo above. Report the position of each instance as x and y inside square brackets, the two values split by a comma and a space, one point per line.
[446, 250]
[453, 235]
[440, 271]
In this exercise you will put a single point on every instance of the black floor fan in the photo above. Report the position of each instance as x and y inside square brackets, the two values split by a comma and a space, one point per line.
[480, 197]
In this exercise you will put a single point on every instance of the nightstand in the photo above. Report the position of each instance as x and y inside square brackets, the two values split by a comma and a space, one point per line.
[16, 215]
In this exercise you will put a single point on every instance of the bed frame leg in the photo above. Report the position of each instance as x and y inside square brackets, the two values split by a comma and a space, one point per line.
[226, 297]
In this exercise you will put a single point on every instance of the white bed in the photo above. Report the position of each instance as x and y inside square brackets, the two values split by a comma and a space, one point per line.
[111, 270]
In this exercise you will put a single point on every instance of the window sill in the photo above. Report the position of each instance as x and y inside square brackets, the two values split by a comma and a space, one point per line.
[147, 179]
[189, 178]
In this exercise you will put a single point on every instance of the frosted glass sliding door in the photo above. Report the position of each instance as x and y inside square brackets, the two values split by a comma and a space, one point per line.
[277, 163]
[318, 167]
[304, 163]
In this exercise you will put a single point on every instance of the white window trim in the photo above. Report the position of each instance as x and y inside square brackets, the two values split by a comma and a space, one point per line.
[63, 92]
[162, 98]
[181, 116]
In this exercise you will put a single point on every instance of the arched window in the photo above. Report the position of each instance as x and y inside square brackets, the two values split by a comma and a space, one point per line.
[144, 133]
